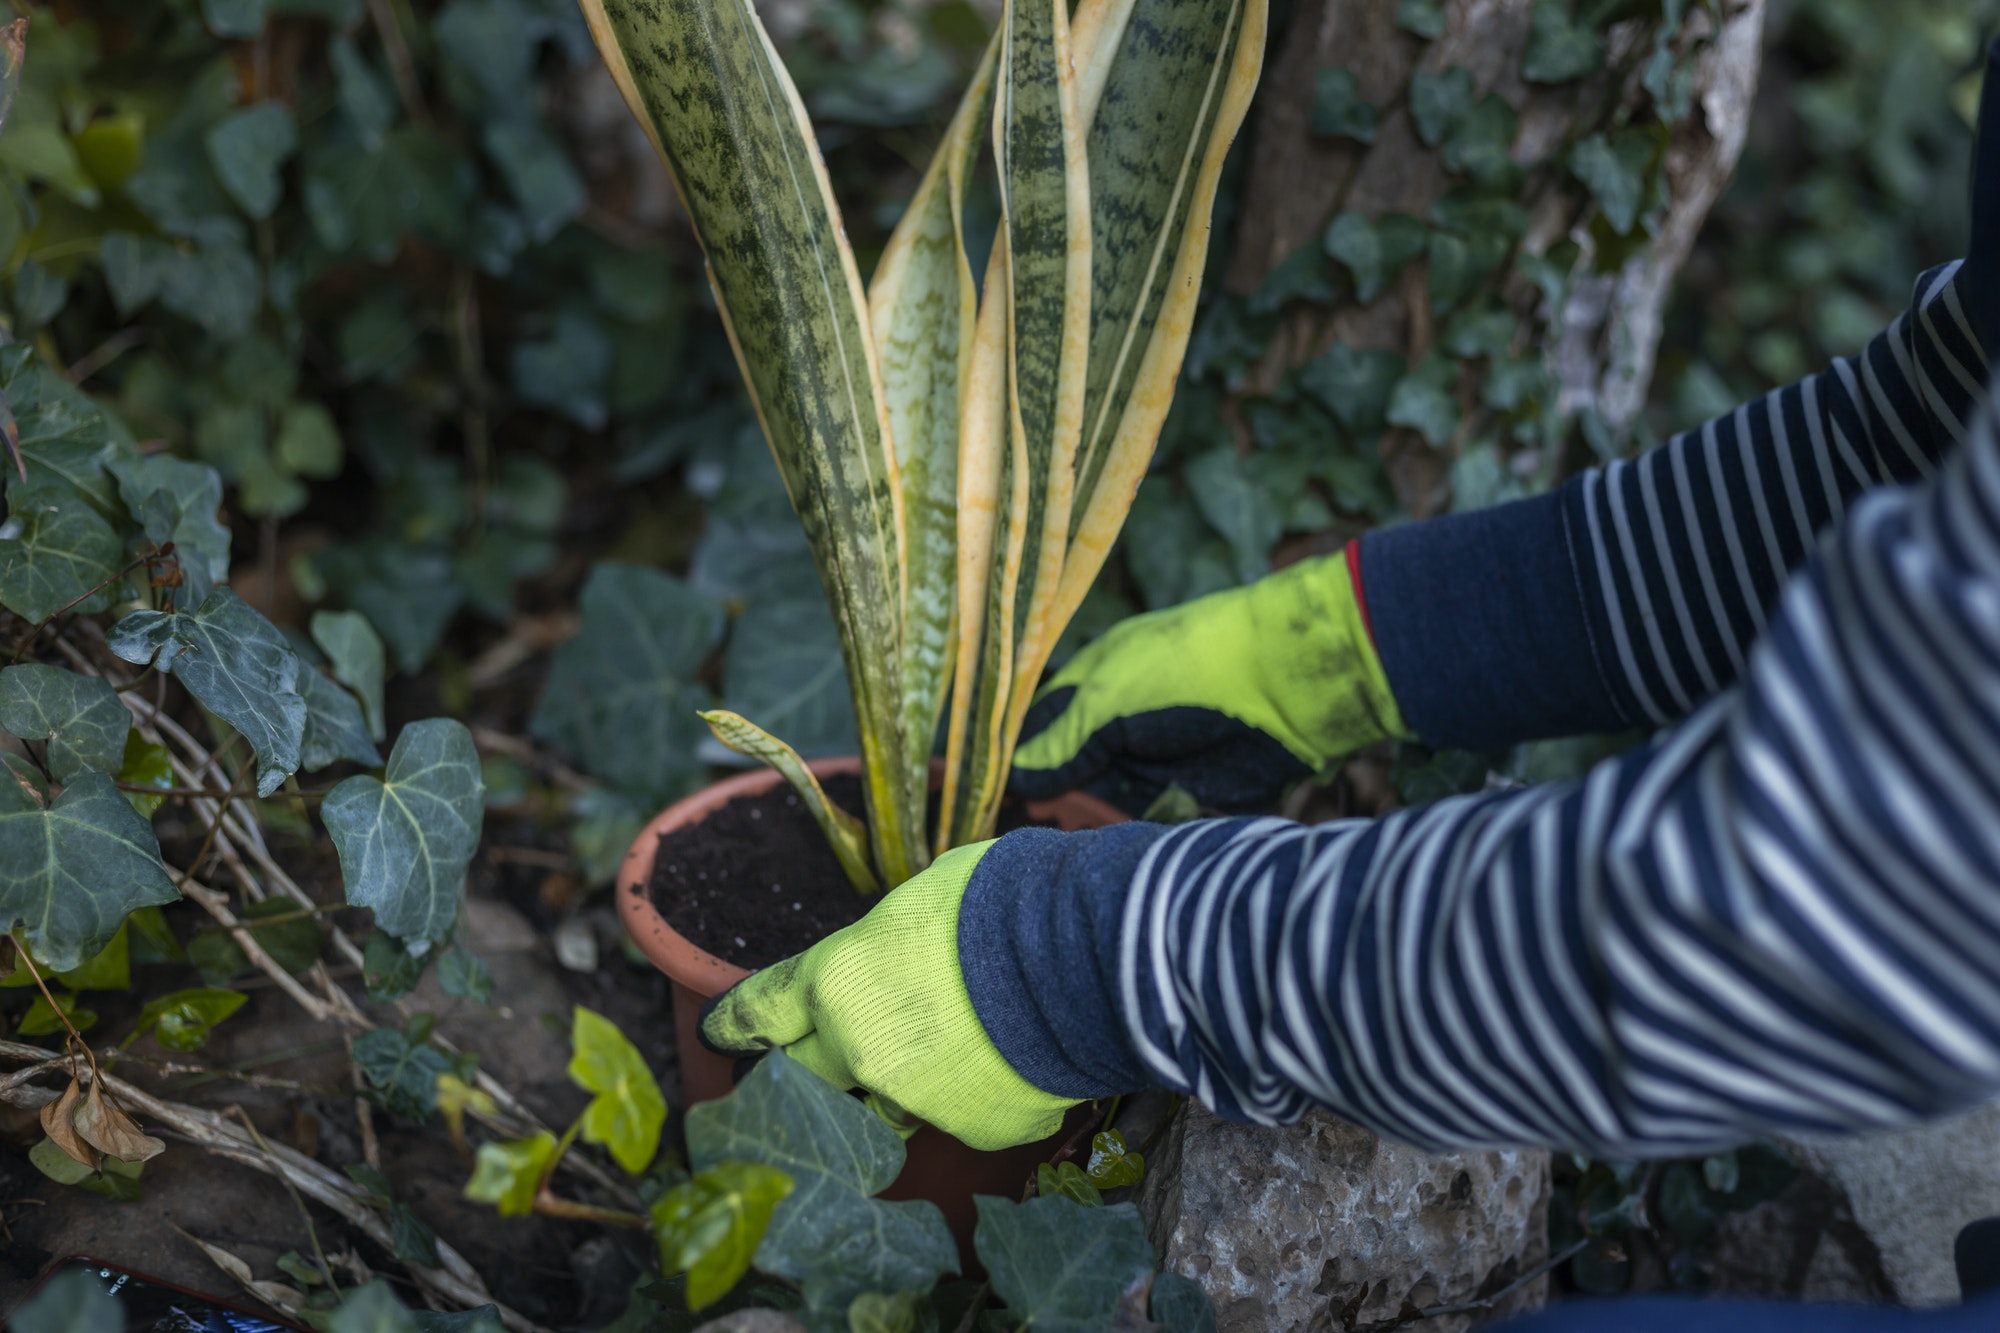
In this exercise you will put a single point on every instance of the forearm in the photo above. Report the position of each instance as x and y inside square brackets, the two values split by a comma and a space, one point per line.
[1778, 917]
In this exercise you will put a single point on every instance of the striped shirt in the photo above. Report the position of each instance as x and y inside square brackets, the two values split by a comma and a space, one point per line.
[1782, 914]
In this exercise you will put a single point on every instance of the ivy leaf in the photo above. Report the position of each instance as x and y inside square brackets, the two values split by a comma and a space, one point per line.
[509, 1174]
[463, 974]
[1058, 1263]
[627, 1111]
[177, 500]
[1339, 109]
[234, 18]
[1439, 102]
[1614, 169]
[70, 872]
[1066, 1180]
[1460, 261]
[364, 99]
[1353, 384]
[57, 549]
[1481, 146]
[621, 695]
[294, 942]
[784, 669]
[218, 286]
[1425, 18]
[247, 148]
[145, 763]
[44, 1018]
[829, 1234]
[1177, 1304]
[1300, 276]
[335, 728]
[1376, 251]
[405, 1071]
[134, 268]
[1559, 48]
[73, 1301]
[1423, 400]
[710, 1226]
[389, 970]
[182, 1021]
[405, 840]
[410, 1237]
[539, 174]
[79, 716]
[1113, 1164]
[1236, 507]
[354, 651]
[308, 442]
[236, 664]
[569, 371]
[373, 1309]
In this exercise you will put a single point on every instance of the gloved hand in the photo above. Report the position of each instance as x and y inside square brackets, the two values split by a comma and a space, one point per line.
[1233, 696]
[882, 1005]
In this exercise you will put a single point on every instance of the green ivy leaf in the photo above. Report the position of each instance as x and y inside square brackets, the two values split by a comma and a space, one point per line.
[70, 872]
[1424, 18]
[234, 18]
[407, 1072]
[1353, 384]
[1338, 108]
[177, 500]
[569, 371]
[294, 942]
[41, 1019]
[508, 1174]
[60, 549]
[373, 1309]
[1423, 401]
[710, 1226]
[182, 1021]
[79, 716]
[145, 763]
[1300, 276]
[1559, 48]
[410, 1237]
[1179, 1305]
[354, 651]
[389, 970]
[1238, 508]
[1057, 1263]
[829, 1234]
[1374, 251]
[219, 286]
[236, 664]
[335, 727]
[1481, 147]
[308, 442]
[464, 974]
[134, 268]
[364, 99]
[1439, 102]
[74, 1301]
[405, 840]
[247, 148]
[1460, 262]
[626, 1112]
[883, 1312]
[622, 694]
[1113, 1164]
[1615, 170]
[539, 174]
[1066, 1180]
[784, 670]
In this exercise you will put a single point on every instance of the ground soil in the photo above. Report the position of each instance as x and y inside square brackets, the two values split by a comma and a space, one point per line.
[756, 882]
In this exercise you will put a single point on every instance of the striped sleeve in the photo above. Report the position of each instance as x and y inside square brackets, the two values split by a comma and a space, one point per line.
[1783, 914]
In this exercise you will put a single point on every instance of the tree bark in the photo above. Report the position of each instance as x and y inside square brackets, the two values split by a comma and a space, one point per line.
[1600, 346]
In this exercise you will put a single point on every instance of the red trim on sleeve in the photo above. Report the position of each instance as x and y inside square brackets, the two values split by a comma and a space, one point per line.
[1353, 553]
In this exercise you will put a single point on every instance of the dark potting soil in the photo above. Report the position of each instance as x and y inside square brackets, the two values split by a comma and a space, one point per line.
[756, 882]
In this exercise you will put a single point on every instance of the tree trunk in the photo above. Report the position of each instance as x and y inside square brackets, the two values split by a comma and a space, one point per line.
[1600, 345]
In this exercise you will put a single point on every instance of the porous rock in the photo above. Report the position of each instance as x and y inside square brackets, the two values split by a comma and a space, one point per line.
[1283, 1228]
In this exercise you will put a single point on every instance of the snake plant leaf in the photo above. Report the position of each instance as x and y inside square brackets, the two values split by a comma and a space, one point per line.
[1044, 284]
[706, 82]
[79, 716]
[236, 664]
[923, 306]
[405, 839]
[71, 870]
[847, 835]
[1164, 110]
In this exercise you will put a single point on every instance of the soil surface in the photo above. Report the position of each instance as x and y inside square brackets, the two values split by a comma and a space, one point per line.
[756, 882]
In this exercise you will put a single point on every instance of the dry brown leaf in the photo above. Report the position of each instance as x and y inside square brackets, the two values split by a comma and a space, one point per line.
[110, 1130]
[58, 1125]
[280, 1296]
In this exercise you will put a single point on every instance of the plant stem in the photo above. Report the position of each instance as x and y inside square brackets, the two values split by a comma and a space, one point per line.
[312, 1234]
[75, 1038]
[209, 794]
[551, 1206]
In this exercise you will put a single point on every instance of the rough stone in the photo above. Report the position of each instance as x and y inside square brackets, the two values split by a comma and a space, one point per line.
[1285, 1227]
[1912, 1190]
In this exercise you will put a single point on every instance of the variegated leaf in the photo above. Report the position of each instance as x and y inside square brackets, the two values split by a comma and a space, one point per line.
[848, 836]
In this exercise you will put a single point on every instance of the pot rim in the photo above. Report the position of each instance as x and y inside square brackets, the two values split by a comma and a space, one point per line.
[702, 972]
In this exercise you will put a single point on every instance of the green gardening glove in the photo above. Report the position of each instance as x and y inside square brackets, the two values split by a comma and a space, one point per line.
[1232, 697]
[882, 1005]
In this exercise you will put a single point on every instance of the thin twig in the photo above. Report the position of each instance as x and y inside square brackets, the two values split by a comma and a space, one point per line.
[35, 631]
[312, 1232]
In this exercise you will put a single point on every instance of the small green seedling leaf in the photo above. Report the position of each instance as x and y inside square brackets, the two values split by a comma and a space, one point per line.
[1053, 1261]
[405, 840]
[79, 716]
[464, 974]
[509, 1174]
[405, 1072]
[389, 970]
[627, 1112]
[236, 664]
[1067, 1180]
[74, 1301]
[42, 1017]
[71, 871]
[354, 650]
[883, 1312]
[182, 1021]
[710, 1226]
[1111, 1163]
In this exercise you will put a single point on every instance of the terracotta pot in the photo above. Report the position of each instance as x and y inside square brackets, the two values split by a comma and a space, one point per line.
[939, 1167]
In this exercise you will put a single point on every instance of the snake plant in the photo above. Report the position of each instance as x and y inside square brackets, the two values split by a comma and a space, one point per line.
[961, 452]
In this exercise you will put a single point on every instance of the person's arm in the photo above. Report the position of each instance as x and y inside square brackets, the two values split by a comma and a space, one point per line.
[1634, 592]
[1782, 915]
